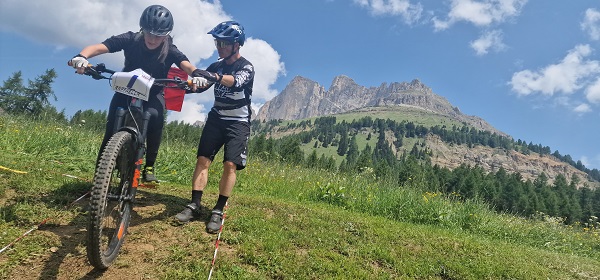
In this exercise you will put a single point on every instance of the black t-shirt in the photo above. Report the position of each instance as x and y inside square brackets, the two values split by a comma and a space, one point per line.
[233, 103]
[137, 55]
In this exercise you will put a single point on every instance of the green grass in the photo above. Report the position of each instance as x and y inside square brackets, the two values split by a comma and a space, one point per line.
[283, 222]
[361, 142]
[409, 114]
[406, 113]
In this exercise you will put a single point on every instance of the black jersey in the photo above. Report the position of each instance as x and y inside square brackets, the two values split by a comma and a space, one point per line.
[233, 103]
[137, 55]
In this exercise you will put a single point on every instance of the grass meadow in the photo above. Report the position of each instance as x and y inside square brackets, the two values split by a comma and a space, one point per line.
[283, 222]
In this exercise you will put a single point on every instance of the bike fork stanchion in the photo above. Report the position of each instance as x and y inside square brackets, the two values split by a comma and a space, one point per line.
[120, 115]
[212, 265]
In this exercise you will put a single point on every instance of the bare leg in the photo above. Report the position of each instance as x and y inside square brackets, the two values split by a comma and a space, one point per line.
[227, 179]
[200, 178]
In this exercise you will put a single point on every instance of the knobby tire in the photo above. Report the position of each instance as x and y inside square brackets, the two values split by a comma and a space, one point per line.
[110, 203]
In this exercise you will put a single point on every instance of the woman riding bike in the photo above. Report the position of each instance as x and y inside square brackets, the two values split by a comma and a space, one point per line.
[152, 50]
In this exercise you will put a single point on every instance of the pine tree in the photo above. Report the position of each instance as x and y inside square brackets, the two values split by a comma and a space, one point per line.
[365, 159]
[353, 152]
[343, 145]
[31, 100]
[312, 159]
[11, 92]
[586, 202]
[290, 151]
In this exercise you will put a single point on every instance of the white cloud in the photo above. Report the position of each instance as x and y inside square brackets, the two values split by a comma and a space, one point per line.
[592, 163]
[591, 23]
[80, 23]
[582, 108]
[480, 13]
[267, 66]
[256, 107]
[191, 111]
[410, 13]
[491, 40]
[571, 74]
[585, 161]
[66, 23]
[592, 92]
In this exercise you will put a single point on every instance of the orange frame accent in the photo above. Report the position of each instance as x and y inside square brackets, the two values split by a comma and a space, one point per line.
[137, 173]
[120, 233]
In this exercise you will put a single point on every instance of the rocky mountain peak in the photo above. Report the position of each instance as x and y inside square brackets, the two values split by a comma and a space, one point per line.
[417, 85]
[341, 81]
[303, 98]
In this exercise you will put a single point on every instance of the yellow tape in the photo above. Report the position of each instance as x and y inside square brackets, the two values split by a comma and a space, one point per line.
[12, 170]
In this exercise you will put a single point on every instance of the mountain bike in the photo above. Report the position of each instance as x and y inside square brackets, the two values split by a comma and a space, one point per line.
[117, 174]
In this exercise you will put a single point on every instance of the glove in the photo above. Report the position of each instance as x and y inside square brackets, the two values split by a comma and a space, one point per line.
[200, 82]
[211, 77]
[79, 61]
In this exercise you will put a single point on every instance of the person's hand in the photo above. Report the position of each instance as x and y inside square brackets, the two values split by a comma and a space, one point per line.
[211, 77]
[79, 62]
[199, 82]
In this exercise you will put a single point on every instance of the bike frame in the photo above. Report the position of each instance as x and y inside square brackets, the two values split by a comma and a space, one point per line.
[127, 120]
[134, 120]
[130, 119]
[120, 160]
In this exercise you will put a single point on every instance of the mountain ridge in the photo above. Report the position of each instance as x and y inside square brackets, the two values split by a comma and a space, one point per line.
[304, 98]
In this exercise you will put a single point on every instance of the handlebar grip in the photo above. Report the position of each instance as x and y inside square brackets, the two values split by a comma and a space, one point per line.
[71, 64]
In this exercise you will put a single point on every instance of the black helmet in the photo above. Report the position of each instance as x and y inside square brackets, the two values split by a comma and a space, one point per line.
[157, 20]
[230, 31]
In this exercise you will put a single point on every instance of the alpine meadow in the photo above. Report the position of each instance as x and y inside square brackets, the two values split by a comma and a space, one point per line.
[351, 195]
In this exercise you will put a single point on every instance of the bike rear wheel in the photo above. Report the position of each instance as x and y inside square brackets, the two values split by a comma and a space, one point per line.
[111, 201]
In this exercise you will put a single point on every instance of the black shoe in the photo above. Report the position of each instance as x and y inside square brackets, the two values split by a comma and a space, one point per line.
[148, 177]
[216, 220]
[190, 212]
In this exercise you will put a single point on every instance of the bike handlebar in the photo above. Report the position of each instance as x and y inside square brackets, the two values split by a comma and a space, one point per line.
[97, 71]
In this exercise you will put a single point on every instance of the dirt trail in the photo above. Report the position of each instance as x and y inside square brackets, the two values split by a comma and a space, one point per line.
[151, 238]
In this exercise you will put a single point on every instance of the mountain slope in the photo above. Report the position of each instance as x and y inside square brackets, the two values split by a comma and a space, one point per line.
[412, 102]
[303, 98]
[283, 222]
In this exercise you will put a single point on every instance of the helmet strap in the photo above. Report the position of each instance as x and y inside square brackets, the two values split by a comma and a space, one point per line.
[233, 52]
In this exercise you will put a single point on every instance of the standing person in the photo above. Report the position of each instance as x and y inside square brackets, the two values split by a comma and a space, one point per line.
[152, 50]
[228, 123]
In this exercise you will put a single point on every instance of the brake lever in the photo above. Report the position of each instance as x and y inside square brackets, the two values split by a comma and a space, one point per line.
[96, 72]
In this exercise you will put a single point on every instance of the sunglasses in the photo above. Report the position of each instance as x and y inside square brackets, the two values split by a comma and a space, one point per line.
[155, 34]
[222, 44]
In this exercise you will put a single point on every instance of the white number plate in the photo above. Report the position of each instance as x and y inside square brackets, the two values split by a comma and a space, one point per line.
[136, 83]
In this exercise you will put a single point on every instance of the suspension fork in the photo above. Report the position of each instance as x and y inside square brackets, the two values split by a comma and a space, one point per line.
[141, 151]
[120, 116]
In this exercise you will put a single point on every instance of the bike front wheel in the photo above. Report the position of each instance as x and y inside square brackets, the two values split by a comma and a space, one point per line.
[111, 200]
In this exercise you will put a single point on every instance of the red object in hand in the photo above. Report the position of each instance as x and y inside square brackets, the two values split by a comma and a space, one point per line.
[174, 96]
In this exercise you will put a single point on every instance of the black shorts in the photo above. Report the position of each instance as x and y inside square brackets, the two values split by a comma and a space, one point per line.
[233, 135]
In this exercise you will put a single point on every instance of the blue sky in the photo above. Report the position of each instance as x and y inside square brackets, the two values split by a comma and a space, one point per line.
[531, 68]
